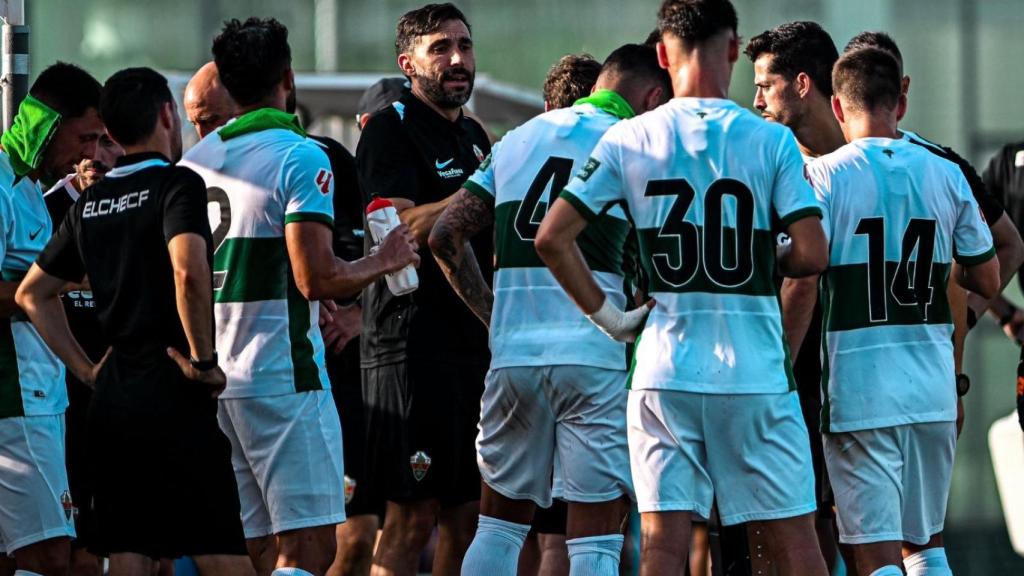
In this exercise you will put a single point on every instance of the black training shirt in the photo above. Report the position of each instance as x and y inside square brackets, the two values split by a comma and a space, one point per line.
[117, 234]
[410, 151]
[1004, 178]
[991, 207]
[348, 201]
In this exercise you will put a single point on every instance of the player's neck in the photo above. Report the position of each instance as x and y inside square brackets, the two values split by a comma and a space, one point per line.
[699, 78]
[819, 134]
[450, 114]
[870, 126]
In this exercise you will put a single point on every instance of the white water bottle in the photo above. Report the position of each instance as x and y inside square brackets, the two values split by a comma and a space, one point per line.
[381, 217]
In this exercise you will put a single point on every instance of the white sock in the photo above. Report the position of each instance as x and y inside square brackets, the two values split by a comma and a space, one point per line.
[495, 548]
[890, 570]
[928, 562]
[290, 572]
[595, 555]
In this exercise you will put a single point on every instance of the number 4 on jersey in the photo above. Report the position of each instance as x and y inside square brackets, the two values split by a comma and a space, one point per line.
[556, 172]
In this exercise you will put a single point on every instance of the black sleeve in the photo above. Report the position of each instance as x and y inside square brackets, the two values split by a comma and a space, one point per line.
[184, 205]
[61, 257]
[993, 176]
[991, 207]
[385, 159]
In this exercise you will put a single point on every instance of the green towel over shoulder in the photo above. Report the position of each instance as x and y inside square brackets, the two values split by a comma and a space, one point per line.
[261, 119]
[34, 126]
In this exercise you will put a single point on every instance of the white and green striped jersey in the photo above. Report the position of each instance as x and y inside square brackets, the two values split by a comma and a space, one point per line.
[702, 180]
[31, 376]
[258, 180]
[896, 216]
[533, 322]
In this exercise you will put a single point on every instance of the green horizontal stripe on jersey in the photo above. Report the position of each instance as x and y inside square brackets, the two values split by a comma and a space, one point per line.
[761, 282]
[254, 269]
[578, 204]
[10, 385]
[977, 259]
[305, 371]
[479, 191]
[309, 217]
[603, 242]
[850, 308]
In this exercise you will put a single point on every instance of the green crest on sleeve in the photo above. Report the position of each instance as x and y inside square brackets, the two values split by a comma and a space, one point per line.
[588, 169]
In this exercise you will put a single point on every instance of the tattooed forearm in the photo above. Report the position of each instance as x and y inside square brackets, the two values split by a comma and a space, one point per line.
[464, 217]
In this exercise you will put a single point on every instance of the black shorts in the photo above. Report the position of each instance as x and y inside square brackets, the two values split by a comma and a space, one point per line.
[807, 371]
[346, 387]
[421, 423]
[76, 459]
[161, 467]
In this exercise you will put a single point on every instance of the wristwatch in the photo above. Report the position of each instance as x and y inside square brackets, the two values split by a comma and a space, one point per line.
[204, 365]
[963, 384]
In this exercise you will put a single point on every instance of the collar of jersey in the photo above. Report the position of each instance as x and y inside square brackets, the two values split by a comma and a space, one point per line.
[610, 102]
[132, 163]
[261, 119]
[34, 126]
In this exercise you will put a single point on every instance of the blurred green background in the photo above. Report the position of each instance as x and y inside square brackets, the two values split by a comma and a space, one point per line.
[964, 58]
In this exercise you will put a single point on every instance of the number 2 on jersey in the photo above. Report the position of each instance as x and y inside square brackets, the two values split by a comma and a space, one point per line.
[911, 284]
[220, 198]
[708, 245]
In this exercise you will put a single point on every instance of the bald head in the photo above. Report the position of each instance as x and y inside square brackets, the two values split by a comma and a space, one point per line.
[207, 103]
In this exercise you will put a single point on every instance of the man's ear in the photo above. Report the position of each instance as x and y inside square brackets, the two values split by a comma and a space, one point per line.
[167, 113]
[289, 80]
[405, 65]
[837, 109]
[901, 107]
[655, 97]
[803, 84]
[734, 48]
[662, 55]
[905, 85]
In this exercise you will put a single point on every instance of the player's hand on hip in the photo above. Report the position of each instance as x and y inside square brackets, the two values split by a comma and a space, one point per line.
[623, 326]
[214, 377]
[399, 249]
[94, 371]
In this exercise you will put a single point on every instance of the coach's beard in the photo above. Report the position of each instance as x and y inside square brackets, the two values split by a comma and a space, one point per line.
[448, 99]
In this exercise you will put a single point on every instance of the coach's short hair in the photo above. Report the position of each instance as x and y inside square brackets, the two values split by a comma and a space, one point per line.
[694, 21]
[423, 21]
[131, 102]
[252, 57]
[867, 79]
[798, 47]
[67, 89]
[875, 40]
[570, 79]
[637, 62]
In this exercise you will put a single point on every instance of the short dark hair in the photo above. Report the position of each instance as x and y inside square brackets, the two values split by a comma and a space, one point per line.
[867, 79]
[637, 62]
[251, 57]
[875, 40]
[131, 103]
[653, 37]
[570, 79]
[696, 20]
[67, 89]
[798, 47]
[423, 21]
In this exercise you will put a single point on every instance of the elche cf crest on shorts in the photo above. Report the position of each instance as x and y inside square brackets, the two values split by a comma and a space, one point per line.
[420, 463]
[68, 505]
[350, 488]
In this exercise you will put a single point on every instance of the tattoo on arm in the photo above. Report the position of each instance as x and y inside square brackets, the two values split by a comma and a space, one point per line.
[462, 219]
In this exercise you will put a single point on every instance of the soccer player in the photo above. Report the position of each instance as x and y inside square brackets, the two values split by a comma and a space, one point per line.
[701, 178]
[1009, 247]
[556, 383]
[57, 126]
[272, 257]
[570, 79]
[152, 422]
[793, 79]
[80, 309]
[897, 215]
[424, 355]
[208, 104]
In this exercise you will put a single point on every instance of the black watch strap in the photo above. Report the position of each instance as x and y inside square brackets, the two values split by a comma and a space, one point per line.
[204, 365]
[963, 384]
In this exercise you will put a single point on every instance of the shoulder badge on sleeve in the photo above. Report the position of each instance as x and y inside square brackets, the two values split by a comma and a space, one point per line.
[323, 180]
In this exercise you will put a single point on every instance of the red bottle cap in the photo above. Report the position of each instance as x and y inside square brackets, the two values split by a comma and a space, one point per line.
[378, 203]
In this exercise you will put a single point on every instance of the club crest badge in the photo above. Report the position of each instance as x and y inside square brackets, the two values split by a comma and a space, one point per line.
[69, 507]
[350, 489]
[479, 153]
[420, 464]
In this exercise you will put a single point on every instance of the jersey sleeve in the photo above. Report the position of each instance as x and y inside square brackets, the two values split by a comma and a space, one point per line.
[61, 257]
[599, 181]
[821, 184]
[184, 205]
[972, 239]
[386, 161]
[307, 184]
[792, 198]
[481, 183]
